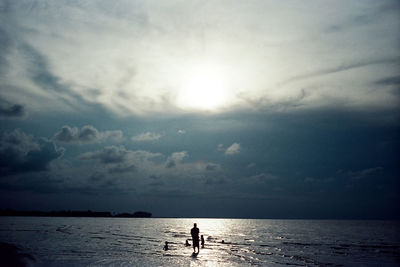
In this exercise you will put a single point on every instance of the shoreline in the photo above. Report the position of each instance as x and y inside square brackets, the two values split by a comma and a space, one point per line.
[74, 214]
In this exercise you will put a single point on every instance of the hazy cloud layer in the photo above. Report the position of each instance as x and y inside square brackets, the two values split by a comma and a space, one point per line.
[86, 135]
[335, 56]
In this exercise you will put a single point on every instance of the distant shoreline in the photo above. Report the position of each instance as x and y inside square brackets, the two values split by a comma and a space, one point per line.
[144, 214]
[75, 213]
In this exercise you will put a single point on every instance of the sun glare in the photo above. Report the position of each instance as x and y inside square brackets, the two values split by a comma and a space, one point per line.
[203, 87]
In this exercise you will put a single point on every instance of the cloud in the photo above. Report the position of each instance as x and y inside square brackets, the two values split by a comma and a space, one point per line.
[343, 67]
[363, 174]
[118, 154]
[220, 147]
[86, 135]
[67, 135]
[150, 35]
[261, 178]
[372, 15]
[392, 80]
[41, 75]
[215, 181]
[20, 153]
[6, 43]
[309, 180]
[181, 131]
[9, 110]
[147, 171]
[27, 69]
[145, 137]
[118, 159]
[122, 169]
[212, 167]
[175, 159]
[114, 136]
[233, 149]
[251, 165]
[110, 154]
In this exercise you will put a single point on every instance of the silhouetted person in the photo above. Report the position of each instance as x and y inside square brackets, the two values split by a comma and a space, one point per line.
[195, 238]
[166, 245]
[187, 243]
[202, 241]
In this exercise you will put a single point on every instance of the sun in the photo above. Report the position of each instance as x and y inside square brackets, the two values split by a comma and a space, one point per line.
[203, 87]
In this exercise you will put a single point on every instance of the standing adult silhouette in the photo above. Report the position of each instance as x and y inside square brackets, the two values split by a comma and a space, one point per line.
[195, 238]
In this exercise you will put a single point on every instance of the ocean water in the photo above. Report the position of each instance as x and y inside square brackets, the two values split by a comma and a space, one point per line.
[247, 242]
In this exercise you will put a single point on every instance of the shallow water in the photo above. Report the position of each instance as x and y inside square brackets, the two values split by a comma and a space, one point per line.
[139, 241]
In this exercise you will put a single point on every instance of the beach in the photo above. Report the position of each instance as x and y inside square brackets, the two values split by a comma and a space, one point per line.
[47, 241]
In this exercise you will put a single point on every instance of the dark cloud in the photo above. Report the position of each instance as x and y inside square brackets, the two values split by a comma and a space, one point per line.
[86, 135]
[118, 159]
[370, 16]
[156, 180]
[343, 67]
[175, 159]
[363, 174]
[213, 181]
[352, 22]
[119, 168]
[211, 167]
[297, 100]
[261, 178]
[390, 81]
[148, 136]
[20, 153]
[11, 110]
[97, 176]
[110, 154]
[170, 164]
[66, 135]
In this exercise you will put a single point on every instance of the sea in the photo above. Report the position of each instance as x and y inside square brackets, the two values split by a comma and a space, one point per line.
[57, 241]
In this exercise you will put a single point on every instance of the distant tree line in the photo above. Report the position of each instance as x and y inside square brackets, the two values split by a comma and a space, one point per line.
[74, 213]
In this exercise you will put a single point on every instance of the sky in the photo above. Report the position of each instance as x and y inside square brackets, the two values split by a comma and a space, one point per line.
[242, 109]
